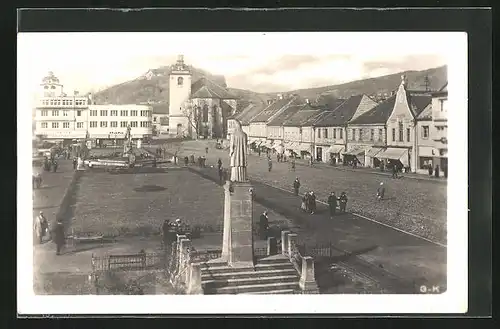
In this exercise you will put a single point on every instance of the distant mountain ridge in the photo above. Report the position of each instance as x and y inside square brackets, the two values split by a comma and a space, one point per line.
[156, 89]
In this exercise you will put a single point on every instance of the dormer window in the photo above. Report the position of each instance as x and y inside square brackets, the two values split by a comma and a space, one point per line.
[180, 81]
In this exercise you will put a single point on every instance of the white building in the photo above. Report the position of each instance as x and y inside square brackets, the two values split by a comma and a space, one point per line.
[64, 118]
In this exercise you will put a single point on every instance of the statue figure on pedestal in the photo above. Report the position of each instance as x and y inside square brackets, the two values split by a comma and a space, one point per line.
[238, 154]
[127, 145]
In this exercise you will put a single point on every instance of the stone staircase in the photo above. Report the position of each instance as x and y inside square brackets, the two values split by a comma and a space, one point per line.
[271, 275]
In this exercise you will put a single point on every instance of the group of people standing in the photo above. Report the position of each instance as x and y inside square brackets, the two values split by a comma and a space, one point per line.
[50, 164]
[42, 229]
[309, 200]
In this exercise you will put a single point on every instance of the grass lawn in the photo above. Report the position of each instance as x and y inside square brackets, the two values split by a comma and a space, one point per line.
[137, 204]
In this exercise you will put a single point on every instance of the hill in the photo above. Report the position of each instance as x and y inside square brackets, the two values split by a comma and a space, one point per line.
[384, 84]
[155, 89]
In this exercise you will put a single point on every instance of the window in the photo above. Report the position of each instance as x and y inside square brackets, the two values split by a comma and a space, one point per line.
[66, 125]
[55, 124]
[353, 134]
[44, 124]
[133, 124]
[372, 134]
[78, 113]
[334, 133]
[144, 124]
[442, 104]
[93, 113]
[425, 132]
[325, 133]
[44, 113]
[408, 134]
[104, 124]
[114, 124]
[154, 119]
[114, 113]
[79, 125]
[93, 124]
[319, 133]
[380, 134]
[180, 81]
[393, 134]
[340, 133]
[123, 124]
[55, 113]
[360, 134]
[400, 131]
[133, 113]
[104, 113]
[70, 102]
[205, 113]
[65, 113]
[124, 113]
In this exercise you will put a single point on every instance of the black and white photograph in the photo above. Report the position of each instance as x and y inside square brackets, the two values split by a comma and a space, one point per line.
[228, 166]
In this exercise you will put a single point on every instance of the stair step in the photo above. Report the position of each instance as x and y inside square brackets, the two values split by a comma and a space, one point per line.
[247, 274]
[217, 282]
[271, 292]
[274, 259]
[257, 268]
[252, 288]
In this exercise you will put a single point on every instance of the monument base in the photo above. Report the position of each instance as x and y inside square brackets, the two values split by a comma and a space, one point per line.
[237, 245]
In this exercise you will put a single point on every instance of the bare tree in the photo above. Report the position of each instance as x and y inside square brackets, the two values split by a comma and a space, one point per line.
[193, 115]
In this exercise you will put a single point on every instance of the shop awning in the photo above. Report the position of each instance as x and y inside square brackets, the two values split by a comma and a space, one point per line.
[355, 152]
[373, 151]
[334, 149]
[303, 147]
[400, 154]
[290, 146]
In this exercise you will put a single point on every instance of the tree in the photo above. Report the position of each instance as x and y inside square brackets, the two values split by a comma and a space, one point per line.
[193, 114]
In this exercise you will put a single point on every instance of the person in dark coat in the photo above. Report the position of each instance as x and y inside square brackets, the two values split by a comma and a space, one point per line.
[219, 163]
[305, 202]
[296, 186]
[436, 171]
[263, 225]
[429, 169]
[259, 150]
[394, 171]
[165, 231]
[75, 163]
[380, 191]
[206, 150]
[332, 204]
[59, 238]
[221, 175]
[186, 160]
[343, 202]
[312, 200]
[292, 164]
[445, 170]
[269, 164]
[54, 165]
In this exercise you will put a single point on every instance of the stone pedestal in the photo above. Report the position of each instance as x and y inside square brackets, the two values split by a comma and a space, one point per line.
[195, 286]
[272, 246]
[307, 280]
[237, 243]
[284, 242]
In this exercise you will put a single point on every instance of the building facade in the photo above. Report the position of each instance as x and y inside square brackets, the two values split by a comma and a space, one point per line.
[432, 136]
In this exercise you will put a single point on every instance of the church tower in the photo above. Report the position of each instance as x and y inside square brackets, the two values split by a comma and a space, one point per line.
[180, 91]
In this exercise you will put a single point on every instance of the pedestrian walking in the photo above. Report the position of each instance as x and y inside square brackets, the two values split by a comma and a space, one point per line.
[445, 170]
[269, 164]
[38, 180]
[332, 204]
[429, 169]
[292, 164]
[381, 191]
[191, 158]
[55, 165]
[219, 163]
[343, 202]
[75, 162]
[206, 150]
[259, 151]
[296, 186]
[436, 171]
[312, 200]
[59, 238]
[263, 225]
[186, 161]
[394, 171]
[221, 175]
[305, 201]
[41, 227]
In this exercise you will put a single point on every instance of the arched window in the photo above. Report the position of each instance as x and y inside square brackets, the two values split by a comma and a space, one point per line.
[180, 81]
[205, 113]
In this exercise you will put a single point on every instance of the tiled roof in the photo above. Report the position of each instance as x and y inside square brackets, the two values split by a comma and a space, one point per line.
[341, 114]
[160, 108]
[301, 117]
[271, 109]
[205, 88]
[379, 114]
[285, 115]
[426, 114]
[418, 102]
[249, 113]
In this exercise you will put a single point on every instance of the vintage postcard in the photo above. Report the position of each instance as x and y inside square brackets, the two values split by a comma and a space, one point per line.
[163, 165]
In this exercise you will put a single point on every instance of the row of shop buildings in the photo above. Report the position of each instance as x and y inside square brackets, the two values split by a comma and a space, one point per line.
[409, 129]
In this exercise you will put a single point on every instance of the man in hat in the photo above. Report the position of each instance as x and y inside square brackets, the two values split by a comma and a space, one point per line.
[292, 164]
[380, 191]
[41, 226]
[296, 186]
[59, 236]
[332, 204]
[343, 202]
[312, 200]
[263, 225]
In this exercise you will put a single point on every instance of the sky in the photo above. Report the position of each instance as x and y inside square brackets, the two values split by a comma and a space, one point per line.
[262, 62]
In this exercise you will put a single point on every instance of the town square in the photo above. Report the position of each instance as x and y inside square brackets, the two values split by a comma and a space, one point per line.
[191, 180]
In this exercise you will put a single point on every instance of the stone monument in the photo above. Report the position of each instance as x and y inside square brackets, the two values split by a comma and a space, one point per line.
[127, 145]
[237, 244]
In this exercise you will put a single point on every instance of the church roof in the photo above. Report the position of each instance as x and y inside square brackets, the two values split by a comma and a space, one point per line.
[206, 88]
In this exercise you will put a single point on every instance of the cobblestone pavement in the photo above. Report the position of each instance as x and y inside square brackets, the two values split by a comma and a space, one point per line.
[396, 259]
[415, 206]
